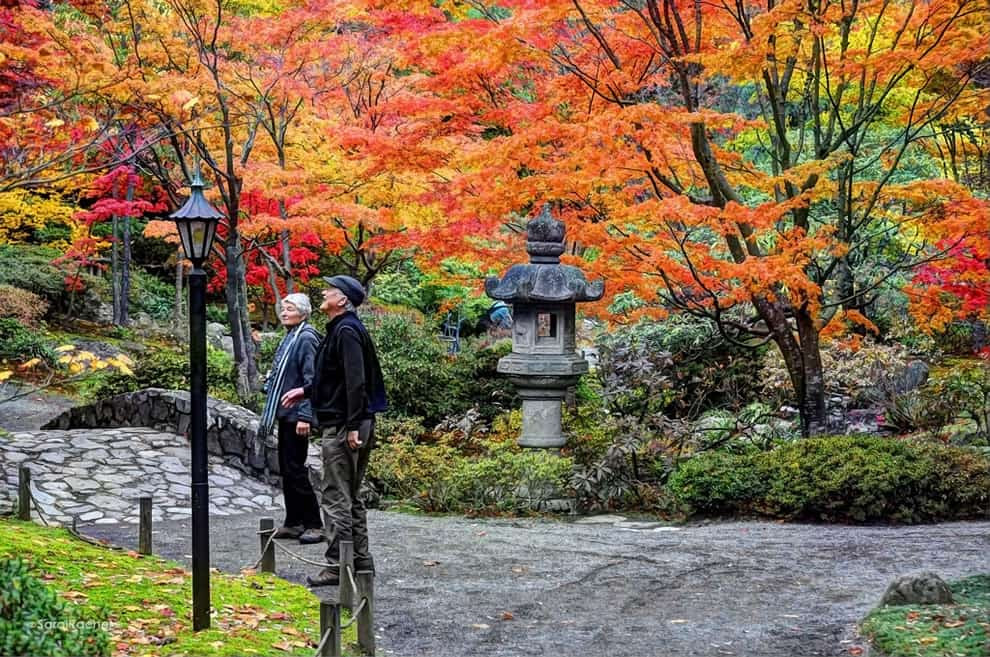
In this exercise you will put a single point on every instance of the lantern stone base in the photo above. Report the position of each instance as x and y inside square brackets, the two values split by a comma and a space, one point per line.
[541, 418]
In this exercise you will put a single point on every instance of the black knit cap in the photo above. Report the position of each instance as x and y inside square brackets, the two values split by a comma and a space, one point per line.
[350, 287]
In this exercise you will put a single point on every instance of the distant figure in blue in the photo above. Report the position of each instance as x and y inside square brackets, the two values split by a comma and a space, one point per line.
[293, 367]
[497, 317]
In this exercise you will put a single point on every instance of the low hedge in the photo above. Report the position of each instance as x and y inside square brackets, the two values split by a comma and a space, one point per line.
[859, 479]
[440, 478]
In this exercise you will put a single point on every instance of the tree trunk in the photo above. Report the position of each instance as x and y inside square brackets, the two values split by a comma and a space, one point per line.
[115, 269]
[814, 414]
[125, 261]
[286, 261]
[273, 281]
[237, 315]
[802, 357]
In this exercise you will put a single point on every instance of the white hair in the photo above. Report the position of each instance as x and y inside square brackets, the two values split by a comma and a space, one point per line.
[301, 302]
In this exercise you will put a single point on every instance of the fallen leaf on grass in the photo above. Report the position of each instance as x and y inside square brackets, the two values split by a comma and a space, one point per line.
[925, 640]
[956, 623]
[279, 615]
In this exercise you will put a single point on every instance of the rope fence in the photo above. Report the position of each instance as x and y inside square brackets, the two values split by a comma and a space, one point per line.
[353, 584]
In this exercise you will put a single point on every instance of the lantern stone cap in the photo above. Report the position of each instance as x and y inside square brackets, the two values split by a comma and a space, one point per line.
[544, 279]
[196, 206]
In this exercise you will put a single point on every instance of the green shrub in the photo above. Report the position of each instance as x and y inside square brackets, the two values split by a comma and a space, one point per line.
[679, 367]
[151, 295]
[415, 365]
[35, 621]
[508, 478]
[440, 478]
[420, 474]
[966, 386]
[475, 381]
[266, 352]
[168, 369]
[19, 343]
[423, 380]
[216, 313]
[717, 483]
[839, 479]
[30, 268]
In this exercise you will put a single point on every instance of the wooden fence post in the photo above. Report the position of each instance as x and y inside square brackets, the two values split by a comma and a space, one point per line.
[144, 525]
[266, 527]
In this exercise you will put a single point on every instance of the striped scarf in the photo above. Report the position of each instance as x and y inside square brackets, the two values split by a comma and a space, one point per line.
[282, 357]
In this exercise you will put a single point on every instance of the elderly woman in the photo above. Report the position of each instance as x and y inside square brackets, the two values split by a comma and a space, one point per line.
[293, 367]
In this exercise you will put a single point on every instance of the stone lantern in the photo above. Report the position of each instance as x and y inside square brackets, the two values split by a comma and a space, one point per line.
[543, 363]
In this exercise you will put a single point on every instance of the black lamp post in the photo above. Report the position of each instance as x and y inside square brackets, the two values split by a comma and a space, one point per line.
[197, 224]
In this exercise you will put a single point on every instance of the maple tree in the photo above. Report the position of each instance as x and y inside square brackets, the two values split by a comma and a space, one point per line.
[54, 73]
[743, 162]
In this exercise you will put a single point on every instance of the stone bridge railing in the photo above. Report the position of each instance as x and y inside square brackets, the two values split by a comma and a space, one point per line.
[231, 430]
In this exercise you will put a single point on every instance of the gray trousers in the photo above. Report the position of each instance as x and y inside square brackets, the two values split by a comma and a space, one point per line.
[344, 515]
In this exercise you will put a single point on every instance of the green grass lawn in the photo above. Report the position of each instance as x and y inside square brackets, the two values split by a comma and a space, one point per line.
[148, 600]
[928, 630]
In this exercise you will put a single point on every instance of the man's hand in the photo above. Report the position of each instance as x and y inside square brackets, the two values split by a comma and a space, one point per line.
[353, 440]
[302, 428]
[292, 397]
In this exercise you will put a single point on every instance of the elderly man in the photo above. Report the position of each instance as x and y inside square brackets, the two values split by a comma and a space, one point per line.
[346, 392]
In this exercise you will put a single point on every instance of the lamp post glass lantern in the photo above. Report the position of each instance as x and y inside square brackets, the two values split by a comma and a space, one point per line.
[197, 222]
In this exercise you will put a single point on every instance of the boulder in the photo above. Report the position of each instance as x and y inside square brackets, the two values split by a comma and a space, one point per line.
[923, 589]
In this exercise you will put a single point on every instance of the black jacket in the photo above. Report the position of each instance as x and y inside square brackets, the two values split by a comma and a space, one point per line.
[348, 386]
[299, 372]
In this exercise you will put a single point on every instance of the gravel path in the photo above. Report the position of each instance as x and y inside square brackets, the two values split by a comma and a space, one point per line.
[606, 586]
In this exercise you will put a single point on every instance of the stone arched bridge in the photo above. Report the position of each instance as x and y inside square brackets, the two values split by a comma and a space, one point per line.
[231, 430]
[91, 462]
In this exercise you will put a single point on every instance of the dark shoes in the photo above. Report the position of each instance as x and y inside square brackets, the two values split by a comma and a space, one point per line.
[327, 577]
[330, 576]
[289, 532]
[311, 535]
